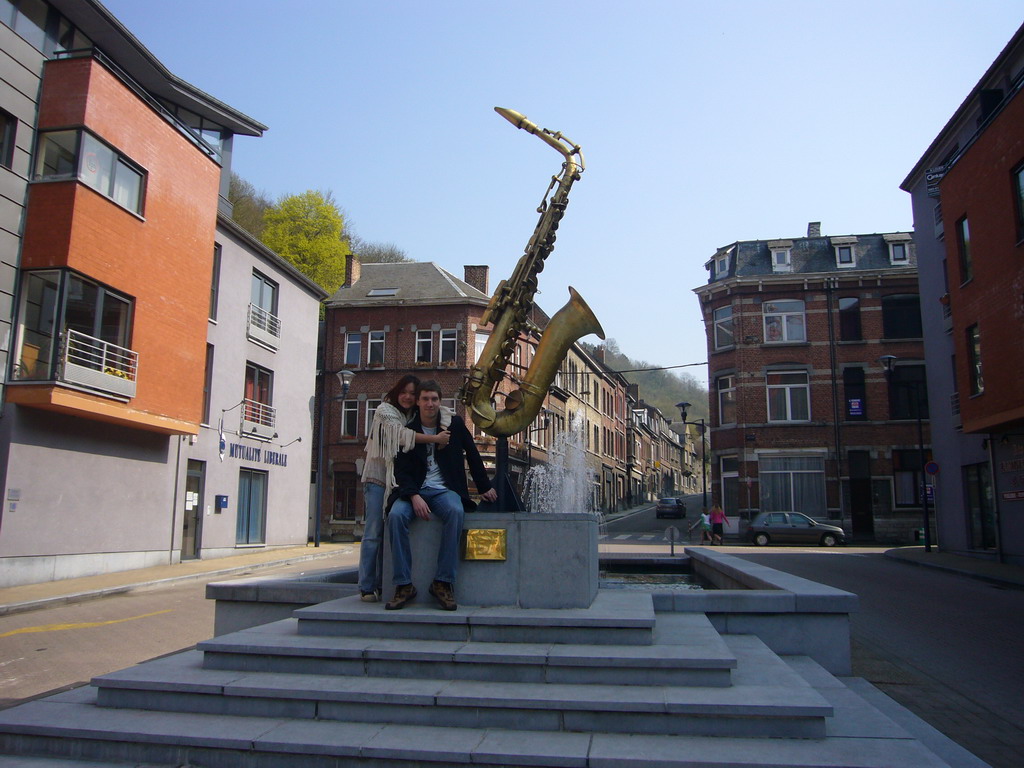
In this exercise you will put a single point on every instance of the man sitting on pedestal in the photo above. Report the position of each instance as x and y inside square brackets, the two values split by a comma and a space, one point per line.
[432, 481]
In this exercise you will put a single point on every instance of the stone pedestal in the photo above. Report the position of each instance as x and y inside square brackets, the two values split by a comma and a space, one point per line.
[551, 561]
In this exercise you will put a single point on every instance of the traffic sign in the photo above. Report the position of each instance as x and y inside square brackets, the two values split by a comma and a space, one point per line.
[932, 468]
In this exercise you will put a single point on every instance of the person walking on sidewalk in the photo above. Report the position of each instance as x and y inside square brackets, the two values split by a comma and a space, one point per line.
[389, 435]
[717, 517]
[705, 527]
[432, 483]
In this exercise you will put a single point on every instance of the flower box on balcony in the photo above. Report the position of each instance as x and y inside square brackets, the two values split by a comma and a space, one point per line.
[115, 383]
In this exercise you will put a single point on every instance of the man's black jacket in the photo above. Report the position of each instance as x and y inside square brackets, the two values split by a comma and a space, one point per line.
[411, 466]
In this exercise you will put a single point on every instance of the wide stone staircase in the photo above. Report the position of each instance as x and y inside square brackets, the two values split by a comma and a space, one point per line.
[345, 683]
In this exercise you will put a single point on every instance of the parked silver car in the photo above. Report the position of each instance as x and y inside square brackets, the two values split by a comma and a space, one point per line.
[793, 528]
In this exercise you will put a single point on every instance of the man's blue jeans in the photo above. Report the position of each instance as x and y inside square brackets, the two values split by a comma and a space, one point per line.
[447, 507]
[373, 528]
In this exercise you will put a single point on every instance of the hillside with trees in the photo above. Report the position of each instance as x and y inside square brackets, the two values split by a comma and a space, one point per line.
[659, 386]
[309, 229]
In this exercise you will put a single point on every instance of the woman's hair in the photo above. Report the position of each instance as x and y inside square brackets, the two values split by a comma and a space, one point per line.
[392, 394]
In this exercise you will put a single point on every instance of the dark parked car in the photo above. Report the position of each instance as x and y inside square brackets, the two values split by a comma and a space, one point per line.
[793, 528]
[670, 507]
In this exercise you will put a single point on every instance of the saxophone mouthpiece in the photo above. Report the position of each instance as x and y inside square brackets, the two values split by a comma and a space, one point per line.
[517, 119]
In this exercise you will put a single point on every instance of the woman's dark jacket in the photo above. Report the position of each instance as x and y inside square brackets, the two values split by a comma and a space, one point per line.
[411, 466]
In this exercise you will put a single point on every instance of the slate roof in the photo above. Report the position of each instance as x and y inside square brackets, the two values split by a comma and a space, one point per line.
[415, 282]
[751, 258]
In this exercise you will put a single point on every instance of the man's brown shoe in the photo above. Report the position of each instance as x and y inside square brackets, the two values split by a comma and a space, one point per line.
[403, 594]
[443, 593]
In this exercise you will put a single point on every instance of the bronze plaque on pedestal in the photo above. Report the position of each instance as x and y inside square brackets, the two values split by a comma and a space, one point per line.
[484, 544]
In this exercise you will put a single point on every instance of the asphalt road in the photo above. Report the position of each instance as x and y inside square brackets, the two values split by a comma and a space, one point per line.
[946, 647]
[64, 646]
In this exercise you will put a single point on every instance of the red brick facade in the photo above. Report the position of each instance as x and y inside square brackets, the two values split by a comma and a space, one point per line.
[830, 394]
[161, 259]
[980, 188]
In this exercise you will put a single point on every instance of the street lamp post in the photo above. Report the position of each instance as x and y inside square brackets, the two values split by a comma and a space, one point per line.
[683, 408]
[888, 362]
[344, 381]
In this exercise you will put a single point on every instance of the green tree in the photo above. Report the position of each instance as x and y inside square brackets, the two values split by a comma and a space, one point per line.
[247, 205]
[309, 231]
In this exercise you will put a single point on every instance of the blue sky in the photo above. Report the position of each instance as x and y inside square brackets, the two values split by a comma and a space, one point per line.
[701, 124]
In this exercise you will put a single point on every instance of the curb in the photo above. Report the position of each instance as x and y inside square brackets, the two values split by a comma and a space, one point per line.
[94, 594]
[964, 572]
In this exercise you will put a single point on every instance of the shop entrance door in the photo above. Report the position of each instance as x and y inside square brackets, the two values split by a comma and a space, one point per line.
[192, 519]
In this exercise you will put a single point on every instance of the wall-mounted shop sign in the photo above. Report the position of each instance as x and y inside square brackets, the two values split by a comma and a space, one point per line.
[260, 455]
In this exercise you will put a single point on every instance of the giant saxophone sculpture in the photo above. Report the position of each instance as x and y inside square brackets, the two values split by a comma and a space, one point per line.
[511, 304]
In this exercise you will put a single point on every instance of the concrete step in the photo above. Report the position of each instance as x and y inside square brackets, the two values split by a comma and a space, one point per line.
[616, 617]
[686, 650]
[771, 701]
[71, 725]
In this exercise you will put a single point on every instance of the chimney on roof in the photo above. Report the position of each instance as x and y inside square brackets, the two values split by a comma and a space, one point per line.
[352, 270]
[478, 276]
[814, 229]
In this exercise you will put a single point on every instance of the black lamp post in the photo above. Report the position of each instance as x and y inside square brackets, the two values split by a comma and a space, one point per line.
[887, 362]
[344, 381]
[683, 407]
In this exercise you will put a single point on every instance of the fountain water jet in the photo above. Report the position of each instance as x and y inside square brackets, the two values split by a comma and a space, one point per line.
[563, 484]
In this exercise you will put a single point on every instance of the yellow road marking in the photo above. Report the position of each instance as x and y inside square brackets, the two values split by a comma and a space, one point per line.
[82, 625]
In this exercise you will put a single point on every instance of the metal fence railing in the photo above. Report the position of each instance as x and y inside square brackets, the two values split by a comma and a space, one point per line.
[98, 364]
[264, 321]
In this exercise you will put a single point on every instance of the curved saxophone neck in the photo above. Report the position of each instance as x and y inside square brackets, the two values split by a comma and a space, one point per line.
[566, 147]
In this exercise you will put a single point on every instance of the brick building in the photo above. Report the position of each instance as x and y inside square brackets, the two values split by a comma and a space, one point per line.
[114, 178]
[392, 319]
[967, 192]
[802, 416]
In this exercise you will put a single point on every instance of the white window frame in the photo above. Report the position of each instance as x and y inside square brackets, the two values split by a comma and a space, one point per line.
[778, 321]
[898, 243]
[791, 389]
[371, 409]
[721, 324]
[816, 476]
[721, 265]
[449, 339]
[353, 340]
[349, 410]
[729, 382]
[841, 244]
[375, 339]
[424, 339]
[782, 260]
[480, 341]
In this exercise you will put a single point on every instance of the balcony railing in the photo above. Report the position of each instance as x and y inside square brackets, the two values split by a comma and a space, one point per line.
[258, 420]
[97, 364]
[263, 326]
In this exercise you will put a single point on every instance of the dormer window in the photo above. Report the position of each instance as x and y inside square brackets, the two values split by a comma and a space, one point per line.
[899, 248]
[846, 256]
[721, 263]
[782, 255]
[781, 261]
